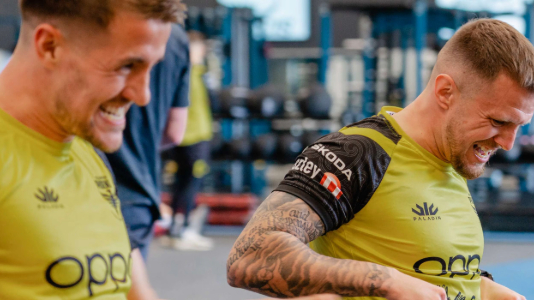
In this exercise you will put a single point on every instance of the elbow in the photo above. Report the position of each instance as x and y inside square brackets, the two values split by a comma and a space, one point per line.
[175, 138]
[231, 273]
[230, 281]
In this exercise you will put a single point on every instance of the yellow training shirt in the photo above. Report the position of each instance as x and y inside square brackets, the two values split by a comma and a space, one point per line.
[199, 121]
[62, 234]
[385, 199]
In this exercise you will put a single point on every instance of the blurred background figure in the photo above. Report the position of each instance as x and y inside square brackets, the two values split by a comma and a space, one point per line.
[192, 157]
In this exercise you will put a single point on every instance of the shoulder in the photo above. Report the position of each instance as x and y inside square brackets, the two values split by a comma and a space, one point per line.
[16, 163]
[87, 153]
[178, 44]
[369, 136]
[6, 155]
[178, 35]
[176, 59]
[13, 152]
[376, 128]
[93, 159]
[339, 173]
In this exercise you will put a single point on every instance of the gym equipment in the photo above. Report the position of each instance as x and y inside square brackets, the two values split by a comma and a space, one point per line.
[267, 102]
[239, 149]
[289, 147]
[264, 147]
[216, 145]
[229, 209]
[315, 102]
[310, 137]
[233, 102]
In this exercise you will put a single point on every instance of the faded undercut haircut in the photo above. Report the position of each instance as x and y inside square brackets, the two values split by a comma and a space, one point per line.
[102, 12]
[489, 47]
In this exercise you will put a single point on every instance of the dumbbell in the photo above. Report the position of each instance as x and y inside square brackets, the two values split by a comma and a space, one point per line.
[315, 102]
[267, 102]
[264, 146]
[233, 102]
[239, 149]
[216, 145]
[289, 147]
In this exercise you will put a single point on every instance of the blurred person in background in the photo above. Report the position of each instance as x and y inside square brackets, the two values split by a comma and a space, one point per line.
[192, 157]
[137, 164]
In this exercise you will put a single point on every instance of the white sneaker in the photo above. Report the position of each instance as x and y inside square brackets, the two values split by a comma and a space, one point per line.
[193, 241]
[178, 224]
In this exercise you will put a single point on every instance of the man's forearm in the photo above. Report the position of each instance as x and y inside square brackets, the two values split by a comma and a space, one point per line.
[271, 257]
[293, 269]
[490, 290]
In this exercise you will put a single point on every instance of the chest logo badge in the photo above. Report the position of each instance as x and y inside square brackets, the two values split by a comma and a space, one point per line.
[46, 195]
[426, 213]
[48, 198]
[108, 193]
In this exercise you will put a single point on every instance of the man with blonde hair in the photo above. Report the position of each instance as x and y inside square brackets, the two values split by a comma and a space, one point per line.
[384, 202]
[78, 67]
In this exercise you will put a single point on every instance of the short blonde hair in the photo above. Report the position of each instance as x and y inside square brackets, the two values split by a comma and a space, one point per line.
[101, 12]
[489, 47]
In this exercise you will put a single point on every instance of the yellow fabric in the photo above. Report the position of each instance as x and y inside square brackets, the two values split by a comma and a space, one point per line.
[199, 120]
[61, 223]
[444, 248]
[200, 168]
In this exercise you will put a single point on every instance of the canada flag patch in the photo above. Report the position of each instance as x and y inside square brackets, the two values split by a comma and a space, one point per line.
[332, 184]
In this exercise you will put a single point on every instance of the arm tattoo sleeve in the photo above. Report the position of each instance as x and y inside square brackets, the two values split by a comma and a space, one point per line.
[271, 256]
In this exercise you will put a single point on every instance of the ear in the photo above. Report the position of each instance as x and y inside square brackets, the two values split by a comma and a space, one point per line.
[445, 90]
[47, 41]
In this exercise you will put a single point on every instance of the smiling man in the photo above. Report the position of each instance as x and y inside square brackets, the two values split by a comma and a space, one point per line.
[77, 69]
[384, 202]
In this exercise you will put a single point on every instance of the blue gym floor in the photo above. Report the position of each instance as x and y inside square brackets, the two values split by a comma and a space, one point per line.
[202, 275]
[510, 258]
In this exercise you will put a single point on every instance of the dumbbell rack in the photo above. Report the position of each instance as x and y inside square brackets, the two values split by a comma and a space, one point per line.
[504, 195]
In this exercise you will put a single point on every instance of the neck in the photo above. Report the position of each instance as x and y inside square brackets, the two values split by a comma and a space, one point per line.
[25, 94]
[421, 121]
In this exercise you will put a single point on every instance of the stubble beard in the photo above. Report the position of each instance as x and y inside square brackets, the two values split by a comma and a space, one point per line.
[80, 129]
[458, 156]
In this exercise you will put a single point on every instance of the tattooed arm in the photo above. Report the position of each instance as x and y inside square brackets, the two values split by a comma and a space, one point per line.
[271, 257]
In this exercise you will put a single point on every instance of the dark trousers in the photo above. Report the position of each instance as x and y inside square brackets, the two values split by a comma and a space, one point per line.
[193, 165]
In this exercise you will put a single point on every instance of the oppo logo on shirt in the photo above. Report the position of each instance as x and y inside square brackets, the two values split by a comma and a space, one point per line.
[447, 267]
[68, 271]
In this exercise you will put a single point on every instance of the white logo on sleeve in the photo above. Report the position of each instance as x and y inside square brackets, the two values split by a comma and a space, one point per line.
[332, 157]
[307, 167]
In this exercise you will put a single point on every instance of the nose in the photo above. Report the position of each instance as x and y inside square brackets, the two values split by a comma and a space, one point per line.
[506, 137]
[138, 89]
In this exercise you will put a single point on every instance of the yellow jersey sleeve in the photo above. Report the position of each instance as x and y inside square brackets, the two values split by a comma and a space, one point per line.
[63, 236]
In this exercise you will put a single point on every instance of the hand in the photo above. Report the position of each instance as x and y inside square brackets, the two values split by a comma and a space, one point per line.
[404, 287]
[317, 297]
[490, 290]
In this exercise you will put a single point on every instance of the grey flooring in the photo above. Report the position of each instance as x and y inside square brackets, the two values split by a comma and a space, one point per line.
[178, 275]
[194, 275]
